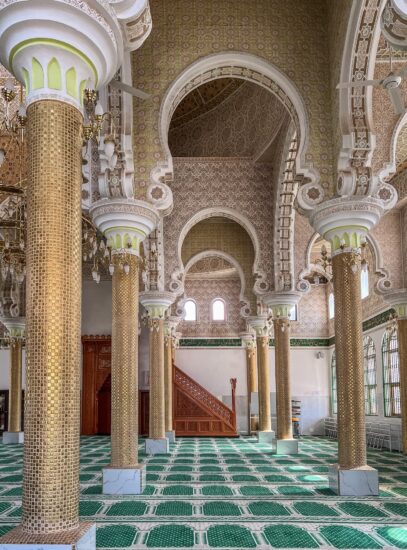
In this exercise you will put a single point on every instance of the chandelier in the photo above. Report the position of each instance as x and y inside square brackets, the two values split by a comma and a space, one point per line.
[12, 120]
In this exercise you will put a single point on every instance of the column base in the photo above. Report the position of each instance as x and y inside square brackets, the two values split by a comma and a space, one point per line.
[266, 437]
[82, 538]
[159, 446]
[11, 438]
[124, 481]
[287, 447]
[357, 482]
[170, 436]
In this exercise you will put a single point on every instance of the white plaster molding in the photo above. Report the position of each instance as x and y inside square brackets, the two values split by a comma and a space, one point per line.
[15, 326]
[346, 220]
[82, 35]
[246, 67]
[156, 303]
[245, 308]
[394, 24]
[355, 104]
[261, 285]
[135, 19]
[260, 325]
[281, 303]
[124, 222]
[397, 299]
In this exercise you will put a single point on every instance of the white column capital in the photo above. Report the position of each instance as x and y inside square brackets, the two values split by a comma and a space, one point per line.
[54, 47]
[15, 326]
[345, 221]
[397, 299]
[248, 340]
[124, 222]
[260, 325]
[156, 303]
[281, 303]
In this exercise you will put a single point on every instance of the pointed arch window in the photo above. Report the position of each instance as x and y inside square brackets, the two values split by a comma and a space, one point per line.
[391, 373]
[369, 357]
[218, 310]
[190, 310]
[334, 396]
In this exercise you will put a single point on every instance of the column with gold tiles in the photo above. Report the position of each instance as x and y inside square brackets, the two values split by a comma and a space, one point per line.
[281, 304]
[16, 331]
[170, 326]
[260, 326]
[345, 225]
[156, 304]
[249, 343]
[125, 223]
[397, 299]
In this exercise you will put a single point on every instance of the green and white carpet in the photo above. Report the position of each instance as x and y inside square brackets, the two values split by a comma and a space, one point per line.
[230, 493]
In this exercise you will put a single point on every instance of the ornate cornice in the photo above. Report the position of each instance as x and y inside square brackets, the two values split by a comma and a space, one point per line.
[346, 221]
[281, 303]
[156, 303]
[124, 222]
[397, 299]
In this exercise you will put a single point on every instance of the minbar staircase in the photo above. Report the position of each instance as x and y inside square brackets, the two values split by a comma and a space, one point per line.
[199, 413]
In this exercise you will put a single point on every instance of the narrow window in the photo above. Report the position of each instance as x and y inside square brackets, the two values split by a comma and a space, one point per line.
[331, 305]
[391, 373]
[364, 283]
[369, 356]
[218, 310]
[334, 396]
[190, 310]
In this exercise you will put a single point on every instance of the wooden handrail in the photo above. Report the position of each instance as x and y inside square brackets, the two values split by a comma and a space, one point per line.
[205, 398]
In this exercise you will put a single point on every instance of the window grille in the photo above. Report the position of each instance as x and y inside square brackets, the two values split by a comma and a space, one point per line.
[369, 356]
[391, 373]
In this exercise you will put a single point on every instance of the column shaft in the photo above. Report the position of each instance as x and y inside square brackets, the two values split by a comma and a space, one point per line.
[168, 382]
[14, 407]
[349, 361]
[402, 336]
[53, 318]
[283, 384]
[125, 366]
[251, 359]
[157, 394]
[263, 364]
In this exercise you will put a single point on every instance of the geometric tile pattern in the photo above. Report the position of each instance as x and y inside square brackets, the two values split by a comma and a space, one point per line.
[230, 493]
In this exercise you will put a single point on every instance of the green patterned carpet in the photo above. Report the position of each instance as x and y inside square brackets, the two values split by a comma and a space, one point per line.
[230, 493]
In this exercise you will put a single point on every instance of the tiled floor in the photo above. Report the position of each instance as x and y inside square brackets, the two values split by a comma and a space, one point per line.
[230, 493]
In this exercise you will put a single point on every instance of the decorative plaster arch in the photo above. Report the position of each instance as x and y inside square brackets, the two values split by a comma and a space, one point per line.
[355, 104]
[245, 309]
[390, 168]
[246, 67]
[178, 276]
[383, 284]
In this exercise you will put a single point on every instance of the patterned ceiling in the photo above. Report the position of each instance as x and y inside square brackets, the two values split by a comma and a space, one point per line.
[203, 99]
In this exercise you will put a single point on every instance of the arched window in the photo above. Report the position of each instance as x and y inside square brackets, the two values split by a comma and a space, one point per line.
[391, 373]
[190, 310]
[331, 305]
[334, 396]
[218, 310]
[369, 356]
[364, 283]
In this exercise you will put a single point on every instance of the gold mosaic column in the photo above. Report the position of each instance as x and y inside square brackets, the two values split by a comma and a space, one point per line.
[14, 408]
[283, 382]
[53, 314]
[281, 303]
[156, 304]
[125, 223]
[124, 431]
[259, 324]
[397, 299]
[349, 360]
[169, 356]
[345, 222]
[16, 330]
[249, 343]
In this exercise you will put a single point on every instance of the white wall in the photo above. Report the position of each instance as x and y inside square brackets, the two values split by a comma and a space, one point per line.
[97, 307]
[5, 369]
[214, 367]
